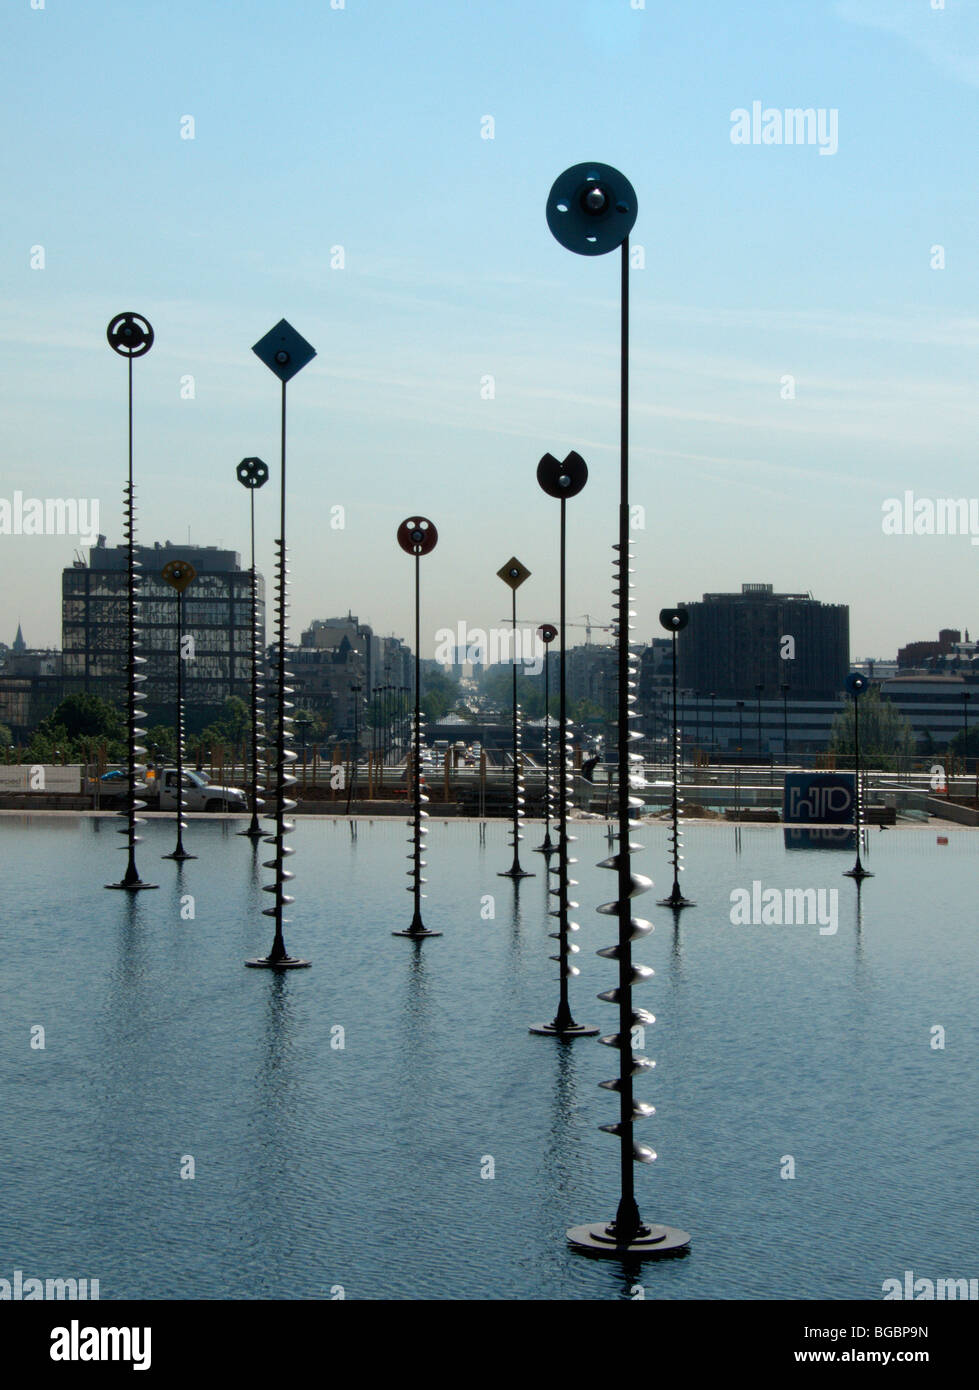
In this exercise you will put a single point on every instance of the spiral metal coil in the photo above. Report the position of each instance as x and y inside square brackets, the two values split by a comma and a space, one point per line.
[284, 780]
[258, 737]
[135, 678]
[550, 800]
[137, 769]
[627, 1224]
[418, 828]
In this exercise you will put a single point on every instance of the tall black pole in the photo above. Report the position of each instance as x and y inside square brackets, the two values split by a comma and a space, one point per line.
[591, 210]
[856, 684]
[547, 846]
[563, 480]
[179, 574]
[417, 536]
[284, 352]
[253, 473]
[758, 690]
[130, 335]
[254, 828]
[675, 620]
[513, 573]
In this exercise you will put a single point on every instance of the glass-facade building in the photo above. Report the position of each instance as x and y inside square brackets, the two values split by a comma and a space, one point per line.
[217, 617]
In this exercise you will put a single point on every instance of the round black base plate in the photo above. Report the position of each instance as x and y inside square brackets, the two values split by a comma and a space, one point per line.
[416, 935]
[574, 1030]
[132, 887]
[286, 963]
[594, 1240]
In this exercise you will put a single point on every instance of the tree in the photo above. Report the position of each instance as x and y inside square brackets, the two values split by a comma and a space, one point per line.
[83, 716]
[885, 734]
[6, 738]
[164, 737]
[585, 711]
[965, 747]
[439, 694]
[234, 722]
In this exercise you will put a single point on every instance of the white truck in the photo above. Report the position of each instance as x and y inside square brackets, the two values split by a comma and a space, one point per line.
[200, 794]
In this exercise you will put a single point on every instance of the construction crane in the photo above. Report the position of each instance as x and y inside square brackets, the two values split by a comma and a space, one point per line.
[602, 627]
[588, 625]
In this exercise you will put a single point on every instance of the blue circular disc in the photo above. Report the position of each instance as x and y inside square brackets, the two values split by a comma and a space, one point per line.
[591, 209]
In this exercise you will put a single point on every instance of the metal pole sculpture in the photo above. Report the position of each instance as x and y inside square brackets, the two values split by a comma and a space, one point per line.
[563, 480]
[675, 620]
[130, 335]
[758, 693]
[417, 536]
[591, 210]
[785, 724]
[252, 473]
[856, 684]
[179, 574]
[547, 633]
[285, 352]
[514, 573]
[355, 691]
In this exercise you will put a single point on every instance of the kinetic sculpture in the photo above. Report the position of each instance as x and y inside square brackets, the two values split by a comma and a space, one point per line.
[513, 574]
[591, 209]
[130, 335]
[179, 574]
[856, 684]
[285, 352]
[563, 480]
[675, 620]
[547, 633]
[417, 536]
[252, 473]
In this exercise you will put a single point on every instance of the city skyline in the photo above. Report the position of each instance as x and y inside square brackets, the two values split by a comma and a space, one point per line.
[802, 354]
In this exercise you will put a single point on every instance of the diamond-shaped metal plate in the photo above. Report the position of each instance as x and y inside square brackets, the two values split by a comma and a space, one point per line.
[284, 351]
[513, 573]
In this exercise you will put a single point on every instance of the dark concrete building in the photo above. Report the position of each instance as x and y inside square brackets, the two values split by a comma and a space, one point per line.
[217, 614]
[735, 643]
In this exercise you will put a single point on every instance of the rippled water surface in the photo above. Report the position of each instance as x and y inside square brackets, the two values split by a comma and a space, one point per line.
[317, 1166]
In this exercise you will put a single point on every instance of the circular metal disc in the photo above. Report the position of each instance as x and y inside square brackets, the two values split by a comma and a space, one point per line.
[562, 479]
[547, 632]
[591, 209]
[594, 1239]
[130, 335]
[674, 619]
[856, 683]
[252, 472]
[417, 535]
[178, 574]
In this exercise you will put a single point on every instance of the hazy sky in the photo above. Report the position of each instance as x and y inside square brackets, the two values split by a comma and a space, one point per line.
[362, 128]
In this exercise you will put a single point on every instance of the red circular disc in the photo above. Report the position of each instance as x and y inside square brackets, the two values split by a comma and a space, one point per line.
[417, 535]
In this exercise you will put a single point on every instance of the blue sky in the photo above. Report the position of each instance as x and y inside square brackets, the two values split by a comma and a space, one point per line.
[361, 128]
